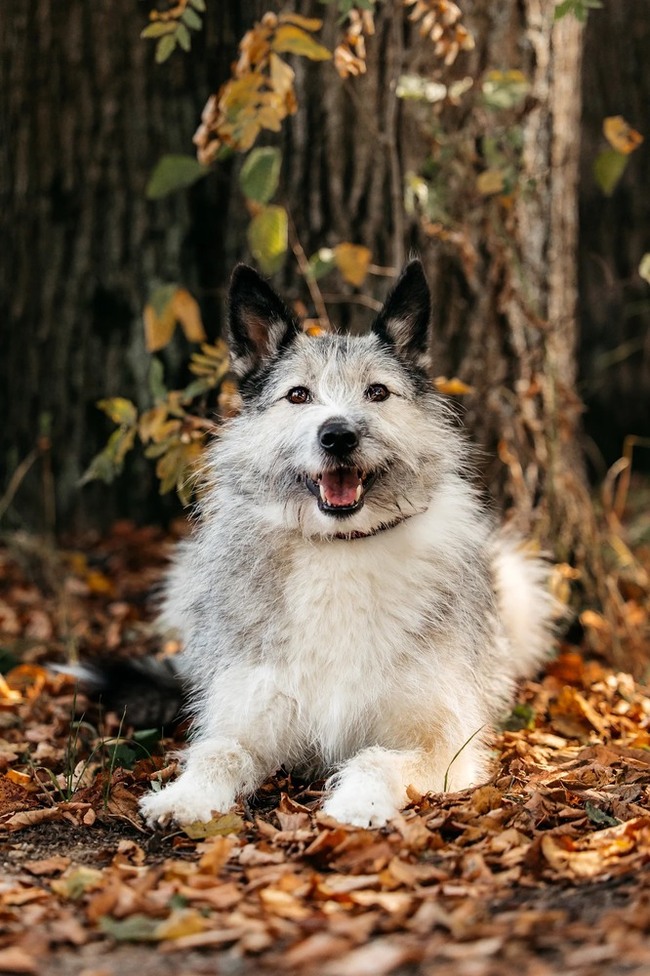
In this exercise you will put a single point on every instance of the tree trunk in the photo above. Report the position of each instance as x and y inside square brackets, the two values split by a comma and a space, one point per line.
[85, 114]
[87, 246]
[502, 264]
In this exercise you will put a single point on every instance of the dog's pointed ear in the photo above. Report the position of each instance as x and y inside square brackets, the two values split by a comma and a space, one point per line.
[403, 322]
[259, 323]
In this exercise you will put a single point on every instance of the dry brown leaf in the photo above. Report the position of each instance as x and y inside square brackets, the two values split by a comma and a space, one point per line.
[17, 960]
[620, 134]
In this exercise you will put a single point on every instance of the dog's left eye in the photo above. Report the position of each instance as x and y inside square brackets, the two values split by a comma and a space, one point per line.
[299, 394]
[377, 392]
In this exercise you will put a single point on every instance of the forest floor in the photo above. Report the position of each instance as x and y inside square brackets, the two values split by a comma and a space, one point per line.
[544, 870]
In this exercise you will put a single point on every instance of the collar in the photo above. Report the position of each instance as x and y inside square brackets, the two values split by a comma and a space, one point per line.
[382, 527]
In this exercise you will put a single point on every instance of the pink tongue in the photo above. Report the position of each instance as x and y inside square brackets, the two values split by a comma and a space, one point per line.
[340, 486]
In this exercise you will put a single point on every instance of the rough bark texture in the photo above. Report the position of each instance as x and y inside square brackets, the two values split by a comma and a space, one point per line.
[85, 115]
[89, 113]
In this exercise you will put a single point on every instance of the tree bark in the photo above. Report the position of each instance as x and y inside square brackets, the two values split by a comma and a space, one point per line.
[86, 245]
[85, 115]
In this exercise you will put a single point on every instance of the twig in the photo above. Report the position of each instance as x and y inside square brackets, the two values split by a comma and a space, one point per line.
[352, 300]
[19, 474]
[390, 137]
[305, 271]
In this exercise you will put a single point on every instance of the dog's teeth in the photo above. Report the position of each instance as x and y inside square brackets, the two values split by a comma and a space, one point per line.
[323, 496]
[359, 490]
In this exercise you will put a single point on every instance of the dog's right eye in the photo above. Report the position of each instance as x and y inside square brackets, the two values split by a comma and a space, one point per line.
[299, 394]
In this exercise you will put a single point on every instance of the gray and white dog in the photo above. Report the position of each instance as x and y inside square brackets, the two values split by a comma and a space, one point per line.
[344, 602]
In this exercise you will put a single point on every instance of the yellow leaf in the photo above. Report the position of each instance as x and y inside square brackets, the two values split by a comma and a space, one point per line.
[352, 260]
[620, 134]
[227, 823]
[187, 312]
[22, 779]
[281, 75]
[183, 921]
[489, 182]
[293, 40]
[309, 23]
[119, 409]
[452, 387]
[150, 423]
[158, 329]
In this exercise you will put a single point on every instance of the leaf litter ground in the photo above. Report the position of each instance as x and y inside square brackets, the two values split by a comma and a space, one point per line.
[543, 870]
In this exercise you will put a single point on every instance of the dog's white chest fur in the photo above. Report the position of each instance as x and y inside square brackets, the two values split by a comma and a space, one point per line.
[380, 657]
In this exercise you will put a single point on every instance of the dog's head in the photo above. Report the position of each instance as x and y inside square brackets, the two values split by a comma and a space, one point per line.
[339, 435]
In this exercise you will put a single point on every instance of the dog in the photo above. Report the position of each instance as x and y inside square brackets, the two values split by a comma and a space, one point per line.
[345, 603]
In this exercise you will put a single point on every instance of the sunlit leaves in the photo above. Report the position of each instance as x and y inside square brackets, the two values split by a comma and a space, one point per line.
[452, 387]
[168, 306]
[268, 237]
[352, 260]
[290, 39]
[490, 181]
[505, 89]
[172, 28]
[350, 53]
[174, 172]
[260, 94]
[620, 134]
[440, 21]
[120, 410]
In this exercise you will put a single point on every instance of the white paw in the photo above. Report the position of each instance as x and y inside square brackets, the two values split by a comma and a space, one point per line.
[359, 810]
[185, 802]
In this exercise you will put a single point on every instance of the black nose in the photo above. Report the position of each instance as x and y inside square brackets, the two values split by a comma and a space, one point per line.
[337, 438]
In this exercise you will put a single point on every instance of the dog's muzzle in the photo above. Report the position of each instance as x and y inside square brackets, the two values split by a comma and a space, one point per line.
[341, 491]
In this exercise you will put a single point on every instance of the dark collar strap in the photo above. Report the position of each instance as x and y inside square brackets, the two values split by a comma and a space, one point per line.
[382, 527]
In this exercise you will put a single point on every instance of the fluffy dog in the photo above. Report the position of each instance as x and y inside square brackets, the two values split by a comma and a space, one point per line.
[344, 602]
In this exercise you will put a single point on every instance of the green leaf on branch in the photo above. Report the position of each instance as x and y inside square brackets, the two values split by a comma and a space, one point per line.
[198, 5]
[192, 19]
[106, 465]
[260, 174]
[159, 28]
[321, 263]
[120, 410]
[268, 237]
[183, 37]
[165, 46]
[608, 169]
[174, 172]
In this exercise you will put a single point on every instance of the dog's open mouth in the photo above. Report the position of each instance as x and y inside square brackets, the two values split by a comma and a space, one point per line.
[341, 491]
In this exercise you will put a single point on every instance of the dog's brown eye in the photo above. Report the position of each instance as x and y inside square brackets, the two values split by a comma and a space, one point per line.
[299, 394]
[377, 392]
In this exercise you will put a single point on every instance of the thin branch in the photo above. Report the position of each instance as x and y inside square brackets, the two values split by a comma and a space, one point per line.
[305, 271]
[17, 478]
[390, 138]
[365, 300]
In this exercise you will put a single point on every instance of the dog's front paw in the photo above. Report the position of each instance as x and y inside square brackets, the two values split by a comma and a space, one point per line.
[184, 802]
[359, 810]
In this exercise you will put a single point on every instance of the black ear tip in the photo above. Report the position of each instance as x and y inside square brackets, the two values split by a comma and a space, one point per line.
[414, 272]
[243, 276]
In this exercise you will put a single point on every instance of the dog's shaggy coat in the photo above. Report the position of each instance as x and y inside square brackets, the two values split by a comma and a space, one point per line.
[344, 602]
